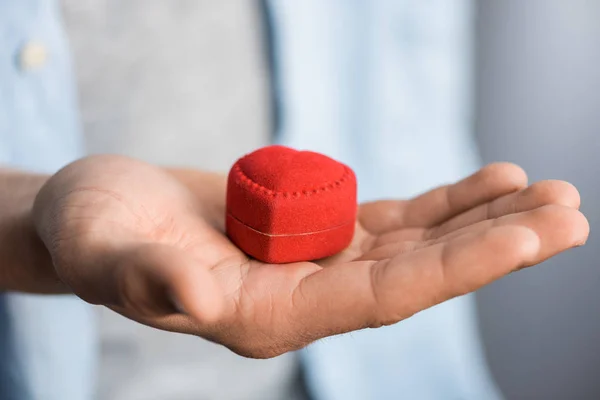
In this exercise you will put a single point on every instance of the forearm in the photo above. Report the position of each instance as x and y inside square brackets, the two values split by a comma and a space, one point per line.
[25, 264]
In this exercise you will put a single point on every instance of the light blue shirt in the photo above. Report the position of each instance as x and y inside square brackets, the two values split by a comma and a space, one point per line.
[384, 85]
[47, 343]
[380, 84]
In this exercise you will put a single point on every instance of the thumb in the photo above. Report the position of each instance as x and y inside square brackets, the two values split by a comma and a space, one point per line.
[155, 280]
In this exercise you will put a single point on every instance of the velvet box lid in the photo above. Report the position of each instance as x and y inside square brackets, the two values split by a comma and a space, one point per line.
[285, 205]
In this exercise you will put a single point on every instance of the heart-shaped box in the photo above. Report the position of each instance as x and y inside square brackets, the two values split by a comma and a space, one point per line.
[285, 205]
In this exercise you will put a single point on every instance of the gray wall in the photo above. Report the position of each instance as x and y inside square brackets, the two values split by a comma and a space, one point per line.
[539, 105]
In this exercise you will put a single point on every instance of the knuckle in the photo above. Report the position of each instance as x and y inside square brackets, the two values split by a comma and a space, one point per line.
[504, 171]
[556, 192]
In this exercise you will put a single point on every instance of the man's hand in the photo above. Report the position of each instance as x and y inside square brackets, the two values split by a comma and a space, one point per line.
[150, 245]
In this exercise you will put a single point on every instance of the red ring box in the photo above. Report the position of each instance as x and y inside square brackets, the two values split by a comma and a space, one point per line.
[285, 205]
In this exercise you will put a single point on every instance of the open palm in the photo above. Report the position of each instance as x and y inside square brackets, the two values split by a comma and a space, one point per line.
[150, 244]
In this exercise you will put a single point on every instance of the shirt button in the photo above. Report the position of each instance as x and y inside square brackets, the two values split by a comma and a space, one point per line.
[33, 55]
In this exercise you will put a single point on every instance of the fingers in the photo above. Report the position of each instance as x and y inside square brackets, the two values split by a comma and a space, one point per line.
[440, 204]
[558, 227]
[156, 280]
[363, 294]
[536, 195]
[413, 282]
[488, 183]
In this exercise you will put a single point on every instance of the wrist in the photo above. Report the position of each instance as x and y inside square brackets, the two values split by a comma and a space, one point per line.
[26, 263]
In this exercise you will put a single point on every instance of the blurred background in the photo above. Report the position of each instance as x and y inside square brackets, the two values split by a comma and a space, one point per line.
[537, 103]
